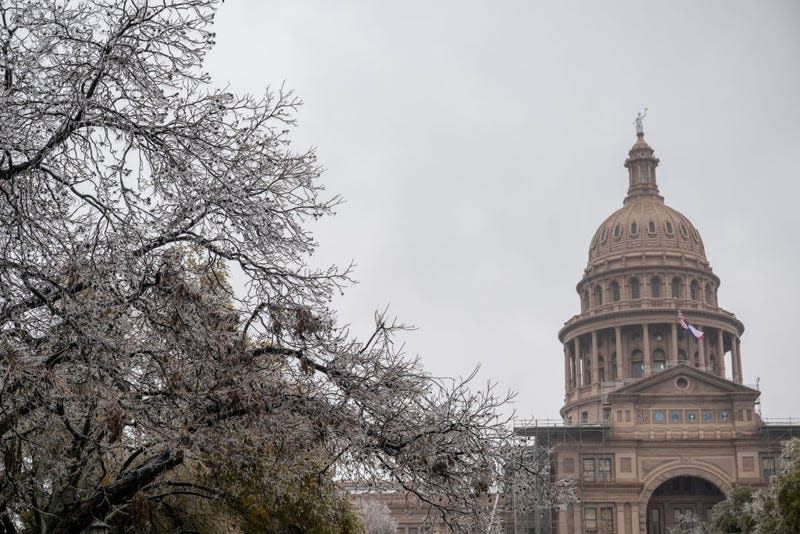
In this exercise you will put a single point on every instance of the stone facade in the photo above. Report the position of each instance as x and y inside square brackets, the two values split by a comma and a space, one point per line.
[657, 425]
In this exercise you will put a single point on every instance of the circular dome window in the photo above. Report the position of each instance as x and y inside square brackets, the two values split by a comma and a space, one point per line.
[651, 228]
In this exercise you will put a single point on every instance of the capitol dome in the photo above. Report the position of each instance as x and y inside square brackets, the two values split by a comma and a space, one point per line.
[645, 225]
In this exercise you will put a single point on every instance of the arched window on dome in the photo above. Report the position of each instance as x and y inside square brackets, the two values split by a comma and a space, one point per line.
[634, 288]
[709, 295]
[614, 366]
[634, 228]
[637, 364]
[659, 360]
[677, 288]
[598, 295]
[601, 369]
[617, 231]
[651, 228]
[694, 290]
[615, 291]
[655, 287]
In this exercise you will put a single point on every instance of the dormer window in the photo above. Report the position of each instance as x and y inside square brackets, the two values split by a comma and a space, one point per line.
[677, 288]
[634, 228]
[634, 288]
[617, 231]
[668, 228]
[651, 228]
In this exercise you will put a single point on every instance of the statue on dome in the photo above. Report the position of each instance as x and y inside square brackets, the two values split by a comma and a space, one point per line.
[638, 122]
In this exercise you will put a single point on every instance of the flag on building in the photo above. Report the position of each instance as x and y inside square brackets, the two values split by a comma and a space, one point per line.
[696, 332]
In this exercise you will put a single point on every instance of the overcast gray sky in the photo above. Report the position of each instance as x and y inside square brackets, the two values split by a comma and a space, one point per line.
[479, 145]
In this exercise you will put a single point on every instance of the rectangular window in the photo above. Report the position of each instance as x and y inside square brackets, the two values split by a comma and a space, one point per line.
[588, 470]
[569, 465]
[590, 519]
[625, 465]
[606, 519]
[604, 469]
[768, 467]
[597, 469]
[598, 519]
[748, 463]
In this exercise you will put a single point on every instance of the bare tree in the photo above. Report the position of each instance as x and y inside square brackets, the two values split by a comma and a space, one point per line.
[128, 185]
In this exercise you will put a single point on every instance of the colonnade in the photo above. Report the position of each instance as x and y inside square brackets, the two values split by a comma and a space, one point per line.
[631, 358]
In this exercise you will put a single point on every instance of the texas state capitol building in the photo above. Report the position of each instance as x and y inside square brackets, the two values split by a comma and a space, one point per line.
[656, 422]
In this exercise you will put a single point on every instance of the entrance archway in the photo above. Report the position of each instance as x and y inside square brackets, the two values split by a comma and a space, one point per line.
[681, 500]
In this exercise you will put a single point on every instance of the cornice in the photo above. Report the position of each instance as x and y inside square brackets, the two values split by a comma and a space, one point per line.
[608, 319]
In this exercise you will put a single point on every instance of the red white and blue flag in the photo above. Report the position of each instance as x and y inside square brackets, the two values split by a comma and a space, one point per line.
[688, 327]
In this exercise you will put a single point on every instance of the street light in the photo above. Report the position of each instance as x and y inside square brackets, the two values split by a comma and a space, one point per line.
[98, 527]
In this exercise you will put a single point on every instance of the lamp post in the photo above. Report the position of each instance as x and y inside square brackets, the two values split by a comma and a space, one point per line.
[99, 527]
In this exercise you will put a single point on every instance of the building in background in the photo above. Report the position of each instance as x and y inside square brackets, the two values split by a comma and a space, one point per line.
[657, 424]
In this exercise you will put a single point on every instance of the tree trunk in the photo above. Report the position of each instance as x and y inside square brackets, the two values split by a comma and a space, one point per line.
[82, 514]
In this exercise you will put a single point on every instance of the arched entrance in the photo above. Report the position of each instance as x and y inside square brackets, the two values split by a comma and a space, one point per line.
[681, 500]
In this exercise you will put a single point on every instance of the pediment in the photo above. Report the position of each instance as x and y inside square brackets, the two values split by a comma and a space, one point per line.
[684, 381]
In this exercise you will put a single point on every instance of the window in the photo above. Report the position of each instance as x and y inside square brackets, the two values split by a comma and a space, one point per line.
[684, 232]
[659, 360]
[693, 290]
[655, 287]
[637, 364]
[625, 465]
[603, 235]
[677, 288]
[634, 228]
[598, 519]
[709, 294]
[569, 465]
[584, 417]
[614, 366]
[634, 288]
[651, 228]
[768, 467]
[748, 464]
[597, 469]
[601, 369]
[668, 228]
[617, 231]
[615, 290]
[598, 296]
[590, 519]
